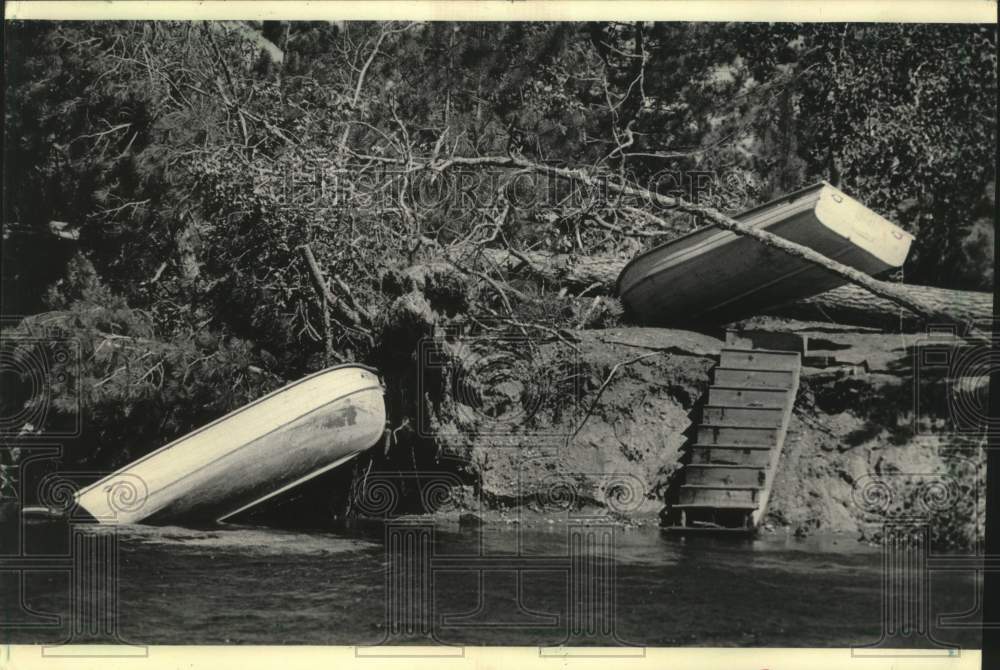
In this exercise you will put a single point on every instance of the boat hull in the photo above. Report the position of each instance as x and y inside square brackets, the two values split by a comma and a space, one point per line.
[249, 454]
[715, 275]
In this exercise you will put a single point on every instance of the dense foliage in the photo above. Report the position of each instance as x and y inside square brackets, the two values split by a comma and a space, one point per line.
[195, 159]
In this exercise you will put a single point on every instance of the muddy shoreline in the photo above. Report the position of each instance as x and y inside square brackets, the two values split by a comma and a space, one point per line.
[871, 440]
[861, 450]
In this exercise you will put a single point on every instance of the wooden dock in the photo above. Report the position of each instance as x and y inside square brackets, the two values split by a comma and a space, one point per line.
[728, 479]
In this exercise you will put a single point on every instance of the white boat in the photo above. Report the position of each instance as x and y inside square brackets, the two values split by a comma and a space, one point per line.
[250, 455]
[714, 275]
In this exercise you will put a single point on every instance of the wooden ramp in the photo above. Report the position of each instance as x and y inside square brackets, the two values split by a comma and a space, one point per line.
[727, 481]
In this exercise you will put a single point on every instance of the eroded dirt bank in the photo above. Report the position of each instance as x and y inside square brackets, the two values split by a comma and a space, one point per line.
[597, 421]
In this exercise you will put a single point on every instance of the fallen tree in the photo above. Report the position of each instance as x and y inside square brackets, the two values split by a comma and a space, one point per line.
[929, 310]
[849, 304]
[855, 306]
[580, 274]
[716, 218]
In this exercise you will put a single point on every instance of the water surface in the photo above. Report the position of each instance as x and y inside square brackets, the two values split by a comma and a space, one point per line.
[545, 586]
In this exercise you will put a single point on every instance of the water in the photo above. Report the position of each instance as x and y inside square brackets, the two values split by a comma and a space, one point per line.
[261, 586]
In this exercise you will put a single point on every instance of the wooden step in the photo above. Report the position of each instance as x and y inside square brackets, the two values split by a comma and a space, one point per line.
[729, 470]
[737, 434]
[760, 359]
[735, 505]
[731, 475]
[783, 379]
[767, 339]
[728, 517]
[730, 455]
[710, 529]
[721, 415]
[746, 396]
[716, 496]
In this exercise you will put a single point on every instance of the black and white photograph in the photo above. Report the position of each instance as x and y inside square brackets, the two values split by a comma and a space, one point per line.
[565, 334]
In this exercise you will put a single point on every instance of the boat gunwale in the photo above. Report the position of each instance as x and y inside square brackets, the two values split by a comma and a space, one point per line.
[312, 474]
[794, 195]
[234, 413]
[844, 251]
[174, 482]
[723, 237]
[720, 240]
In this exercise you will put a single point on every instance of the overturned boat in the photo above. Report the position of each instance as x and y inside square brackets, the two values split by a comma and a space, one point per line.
[714, 275]
[250, 455]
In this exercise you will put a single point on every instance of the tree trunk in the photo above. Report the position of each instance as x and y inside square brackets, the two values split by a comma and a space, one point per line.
[580, 274]
[886, 290]
[855, 306]
[934, 311]
[848, 304]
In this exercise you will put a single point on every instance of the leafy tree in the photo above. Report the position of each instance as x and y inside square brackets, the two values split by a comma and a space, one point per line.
[196, 160]
[904, 118]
